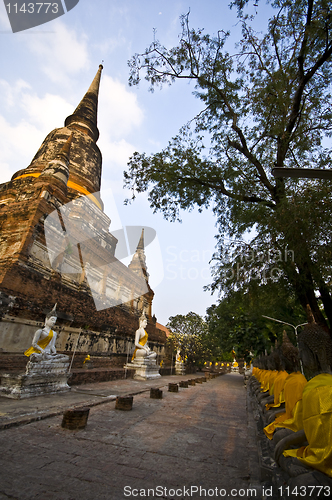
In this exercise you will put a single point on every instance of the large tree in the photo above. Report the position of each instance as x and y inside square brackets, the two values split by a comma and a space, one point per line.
[267, 104]
[238, 320]
[190, 334]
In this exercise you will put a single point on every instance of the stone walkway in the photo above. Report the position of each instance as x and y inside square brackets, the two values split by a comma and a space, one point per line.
[196, 443]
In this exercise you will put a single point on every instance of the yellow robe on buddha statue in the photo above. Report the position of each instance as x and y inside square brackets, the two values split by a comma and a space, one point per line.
[271, 382]
[278, 390]
[142, 342]
[264, 380]
[42, 343]
[292, 417]
[317, 425]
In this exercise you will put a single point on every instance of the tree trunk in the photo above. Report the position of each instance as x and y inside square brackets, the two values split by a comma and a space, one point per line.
[327, 302]
[305, 291]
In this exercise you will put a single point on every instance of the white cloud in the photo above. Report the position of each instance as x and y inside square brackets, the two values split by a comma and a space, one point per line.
[5, 172]
[118, 115]
[49, 112]
[19, 99]
[18, 145]
[10, 92]
[116, 154]
[26, 120]
[119, 111]
[62, 52]
[115, 185]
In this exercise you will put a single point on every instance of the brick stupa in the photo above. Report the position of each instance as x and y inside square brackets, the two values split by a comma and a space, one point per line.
[98, 304]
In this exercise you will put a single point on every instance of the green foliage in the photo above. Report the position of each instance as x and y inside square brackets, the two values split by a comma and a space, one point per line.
[189, 334]
[189, 324]
[267, 104]
[237, 321]
[227, 356]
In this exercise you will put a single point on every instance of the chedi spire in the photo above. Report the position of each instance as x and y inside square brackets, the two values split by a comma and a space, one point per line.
[138, 262]
[84, 117]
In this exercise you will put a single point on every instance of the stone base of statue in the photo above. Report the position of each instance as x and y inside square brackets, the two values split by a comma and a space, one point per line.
[180, 369]
[40, 378]
[145, 369]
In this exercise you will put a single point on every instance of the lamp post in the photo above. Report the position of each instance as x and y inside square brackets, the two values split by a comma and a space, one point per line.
[295, 330]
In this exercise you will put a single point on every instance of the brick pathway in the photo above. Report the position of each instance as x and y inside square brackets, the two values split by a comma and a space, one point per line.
[197, 438]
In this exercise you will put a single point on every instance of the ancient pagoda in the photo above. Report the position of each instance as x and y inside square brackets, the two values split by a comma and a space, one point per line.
[56, 247]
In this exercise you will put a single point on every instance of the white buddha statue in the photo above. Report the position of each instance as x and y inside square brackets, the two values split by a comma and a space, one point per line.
[142, 350]
[43, 342]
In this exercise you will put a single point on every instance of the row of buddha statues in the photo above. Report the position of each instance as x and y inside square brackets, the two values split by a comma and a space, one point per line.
[43, 342]
[47, 371]
[293, 391]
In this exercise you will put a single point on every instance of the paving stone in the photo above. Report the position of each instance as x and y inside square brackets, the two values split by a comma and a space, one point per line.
[201, 439]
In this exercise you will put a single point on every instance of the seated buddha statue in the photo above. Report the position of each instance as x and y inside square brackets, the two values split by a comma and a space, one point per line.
[314, 439]
[142, 350]
[274, 363]
[291, 392]
[262, 372]
[287, 389]
[43, 342]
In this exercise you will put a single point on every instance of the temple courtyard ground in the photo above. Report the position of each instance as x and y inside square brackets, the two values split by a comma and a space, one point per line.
[197, 443]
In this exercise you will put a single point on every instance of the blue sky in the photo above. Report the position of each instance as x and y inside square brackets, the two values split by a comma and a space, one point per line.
[46, 71]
